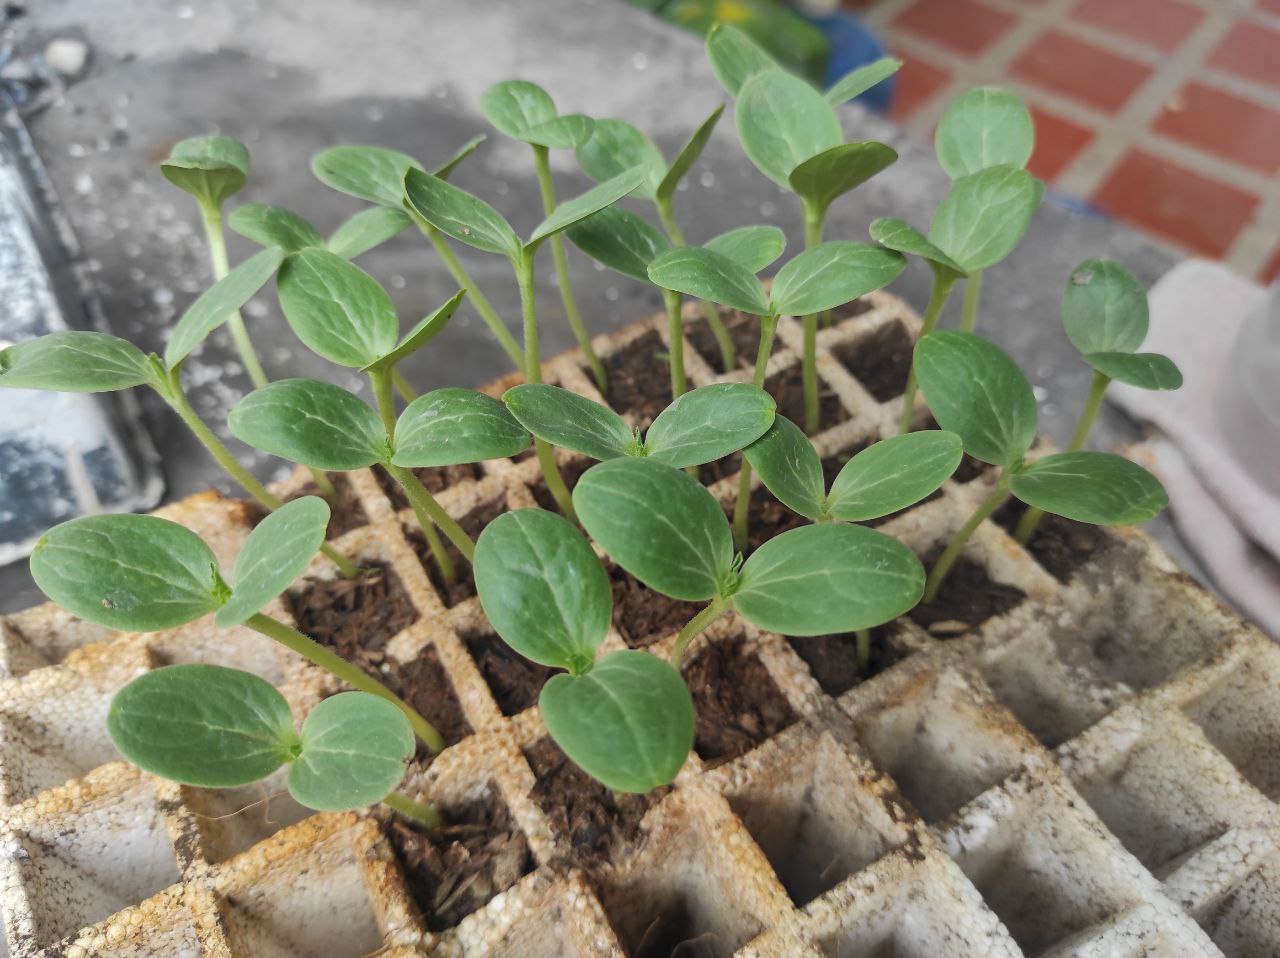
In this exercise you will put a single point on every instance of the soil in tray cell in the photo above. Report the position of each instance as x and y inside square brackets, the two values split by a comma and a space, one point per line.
[639, 377]
[880, 362]
[787, 387]
[643, 616]
[355, 617]
[968, 598]
[1061, 546]
[464, 585]
[833, 659]
[513, 680]
[435, 479]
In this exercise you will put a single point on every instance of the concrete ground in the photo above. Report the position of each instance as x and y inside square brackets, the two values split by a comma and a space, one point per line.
[291, 79]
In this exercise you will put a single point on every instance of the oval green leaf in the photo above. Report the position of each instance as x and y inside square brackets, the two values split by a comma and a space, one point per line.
[203, 725]
[861, 79]
[543, 589]
[74, 361]
[659, 524]
[977, 392]
[1104, 308]
[708, 423]
[370, 173]
[447, 427]
[445, 170]
[219, 301]
[894, 473]
[905, 238]
[706, 274]
[562, 133]
[210, 168]
[274, 226]
[1095, 487]
[825, 579]
[984, 216]
[620, 240]
[831, 274]
[584, 204]
[628, 723]
[366, 230]
[616, 146]
[735, 57]
[280, 547]
[751, 247]
[459, 214]
[783, 121]
[130, 573]
[355, 749]
[830, 174]
[427, 329]
[687, 156]
[570, 421]
[338, 310]
[310, 422]
[516, 106]
[789, 467]
[984, 127]
[1144, 370]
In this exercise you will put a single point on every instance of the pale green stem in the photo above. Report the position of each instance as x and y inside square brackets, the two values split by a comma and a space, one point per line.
[542, 164]
[533, 374]
[948, 558]
[1031, 518]
[728, 352]
[675, 330]
[407, 392]
[474, 295]
[173, 395]
[863, 637]
[742, 505]
[357, 678]
[813, 223]
[424, 815]
[972, 292]
[942, 283]
[235, 322]
[696, 626]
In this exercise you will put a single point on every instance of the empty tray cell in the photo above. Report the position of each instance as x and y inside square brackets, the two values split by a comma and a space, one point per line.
[161, 927]
[75, 868]
[311, 903]
[816, 817]
[942, 745]
[1246, 924]
[1241, 716]
[231, 820]
[43, 636]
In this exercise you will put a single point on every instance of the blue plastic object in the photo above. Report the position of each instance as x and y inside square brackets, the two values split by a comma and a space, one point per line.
[851, 46]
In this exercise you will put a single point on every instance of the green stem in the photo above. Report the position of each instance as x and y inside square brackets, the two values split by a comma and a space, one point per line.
[402, 804]
[543, 166]
[675, 331]
[384, 399]
[425, 506]
[474, 295]
[695, 626]
[969, 313]
[1031, 518]
[863, 637]
[710, 314]
[235, 322]
[813, 223]
[357, 678]
[942, 283]
[742, 505]
[948, 558]
[407, 392]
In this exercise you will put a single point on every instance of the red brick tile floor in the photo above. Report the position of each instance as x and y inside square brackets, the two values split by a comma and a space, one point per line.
[1164, 114]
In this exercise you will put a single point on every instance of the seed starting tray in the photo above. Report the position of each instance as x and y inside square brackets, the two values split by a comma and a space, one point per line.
[1093, 771]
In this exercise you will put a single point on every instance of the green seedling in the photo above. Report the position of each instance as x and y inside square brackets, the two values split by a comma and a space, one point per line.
[376, 175]
[668, 531]
[702, 425]
[214, 727]
[625, 718]
[880, 480]
[791, 133]
[1104, 310]
[977, 392]
[471, 220]
[984, 127]
[322, 425]
[820, 278]
[616, 146]
[144, 574]
[976, 225]
[80, 361]
[525, 112]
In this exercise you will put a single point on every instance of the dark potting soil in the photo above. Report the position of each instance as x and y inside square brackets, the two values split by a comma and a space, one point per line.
[880, 362]
[787, 387]
[712, 472]
[849, 310]
[743, 329]
[833, 659]
[1061, 546]
[514, 680]
[570, 472]
[457, 868]
[354, 617]
[424, 684]
[737, 703]
[463, 586]
[594, 822]
[344, 515]
[639, 377]
[767, 518]
[968, 598]
[643, 616]
[436, 479]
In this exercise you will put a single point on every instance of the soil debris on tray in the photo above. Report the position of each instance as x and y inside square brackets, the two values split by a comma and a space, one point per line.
[1061, 546]
[639, 378]
[354, 617]
[880, 362]
[968, 598]
[514, 680]
[424, 684]
[457, 868]
[463, 586]
[643, 616]
[736, 700]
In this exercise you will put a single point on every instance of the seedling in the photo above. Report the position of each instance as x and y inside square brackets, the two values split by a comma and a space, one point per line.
[883, 478]
[525, 112]
[144, 574]
[819, 278]
[614, 147]
[471, 220]
[976, 225]
[791, 133]
[977, 392]
[376, 175]
[1104, 310]
[700, 426]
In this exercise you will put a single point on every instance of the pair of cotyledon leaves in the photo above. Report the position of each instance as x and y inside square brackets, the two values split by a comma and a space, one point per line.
[977, 392]
[205, 725]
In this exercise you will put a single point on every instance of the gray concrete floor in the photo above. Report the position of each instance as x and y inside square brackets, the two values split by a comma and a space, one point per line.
[291, 79]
